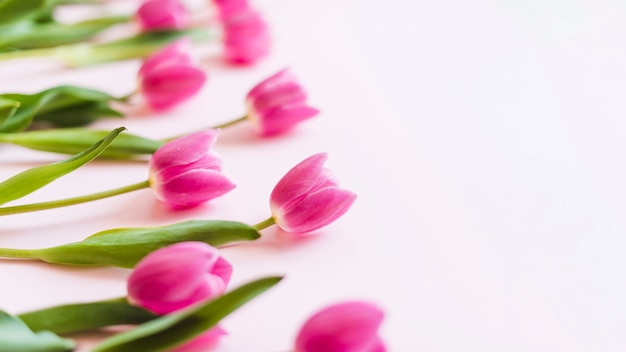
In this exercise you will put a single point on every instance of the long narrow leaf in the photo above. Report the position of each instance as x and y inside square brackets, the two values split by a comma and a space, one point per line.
[172, 330]
[32, 179]
[72, 318]
[15, 336]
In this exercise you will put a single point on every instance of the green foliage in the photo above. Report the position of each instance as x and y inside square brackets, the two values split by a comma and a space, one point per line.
[166, 332]
[65, 106]
[15, 336]
[32, 179]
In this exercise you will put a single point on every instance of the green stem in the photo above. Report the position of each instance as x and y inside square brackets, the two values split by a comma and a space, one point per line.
[265, 223]
[19, 253]
[71, 201]
[220, 126]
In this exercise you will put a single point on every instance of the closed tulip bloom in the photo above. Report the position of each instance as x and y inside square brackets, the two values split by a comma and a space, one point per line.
[278, 104]
[170, 77]
[185, 172]
[175, 277]
[344, 327]
[246, 37]
[308, 197]
[162, 15]
[227, 8]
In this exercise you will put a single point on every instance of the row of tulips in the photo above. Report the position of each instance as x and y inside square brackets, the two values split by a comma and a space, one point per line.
[178, 288]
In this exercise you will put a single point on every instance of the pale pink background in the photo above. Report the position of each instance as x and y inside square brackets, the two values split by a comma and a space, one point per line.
[491, 189]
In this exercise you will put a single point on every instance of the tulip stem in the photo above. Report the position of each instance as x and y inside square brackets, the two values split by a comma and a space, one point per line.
[71, 201]
[18, 253]
[265, 223]
[223, 125]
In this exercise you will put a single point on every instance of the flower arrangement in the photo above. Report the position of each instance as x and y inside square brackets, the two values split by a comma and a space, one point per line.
[178, 278]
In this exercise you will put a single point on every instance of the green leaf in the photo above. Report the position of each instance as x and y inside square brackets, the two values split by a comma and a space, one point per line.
[18, 10]
[63, 105]
[33, 35]
[8, 107]
[71, 318]
[172, 330]
[32, 179]
[126, 246]
[138, 46]
[73, 140]
[15, 336]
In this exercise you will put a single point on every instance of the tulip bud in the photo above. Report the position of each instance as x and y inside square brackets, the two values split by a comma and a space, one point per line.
[308, 197]
[246, 37]
[344, 327]
[162, 14]
[185, 173]
[278, 103]
[170, 77]
[177, 276]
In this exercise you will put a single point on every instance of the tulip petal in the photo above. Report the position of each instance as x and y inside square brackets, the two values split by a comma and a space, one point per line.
[317, 209]
[283, 76]
[176, 53]
[203, 342]
[162, 14]
[286, 93]
[167, 86]
[193, 188]
[344, 327]
[284, 118]
[183, 151]
[299, 180]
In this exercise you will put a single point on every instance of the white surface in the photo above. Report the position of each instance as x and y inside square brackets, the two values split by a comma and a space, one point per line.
[490, 204]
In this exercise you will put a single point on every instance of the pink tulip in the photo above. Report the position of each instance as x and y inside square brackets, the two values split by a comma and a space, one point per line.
[308, 197]
[177, 276]
[202, 343]
[227, 8]
[169, 77]
[278, 103]
[344, 327]
[246, 37]
[185, 172]
[162, 14]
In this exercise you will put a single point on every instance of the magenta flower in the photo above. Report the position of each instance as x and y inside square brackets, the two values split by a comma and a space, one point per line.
[203, 342]
[169, 77]
[278, 103]
[344, 327]
[246, 36]
[177, 276]
[162, 14]
[185, 172]
[227, 8]
[308, 197]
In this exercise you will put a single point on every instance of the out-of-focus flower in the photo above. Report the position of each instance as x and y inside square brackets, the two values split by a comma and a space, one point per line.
[170, 77]
[226, 8]
[185, 172]
[177, 276]
[308, 197]
[246, 36]
[203, 342]
[344, 327]
[278, 103]
[162, 14]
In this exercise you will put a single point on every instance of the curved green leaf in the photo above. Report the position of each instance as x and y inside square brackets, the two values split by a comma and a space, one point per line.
[164, 333]
[72, 318]
[18, 10]
[73, 140]
[125, 247]
[8, 107]
[32, 179]
[62, 105]
[15, 336]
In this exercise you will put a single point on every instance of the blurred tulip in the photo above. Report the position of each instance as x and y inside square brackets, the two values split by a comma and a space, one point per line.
[344, 327]
[162, 14]
[246, 37]
[177, 276]
[203, 342]
[278, 103]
